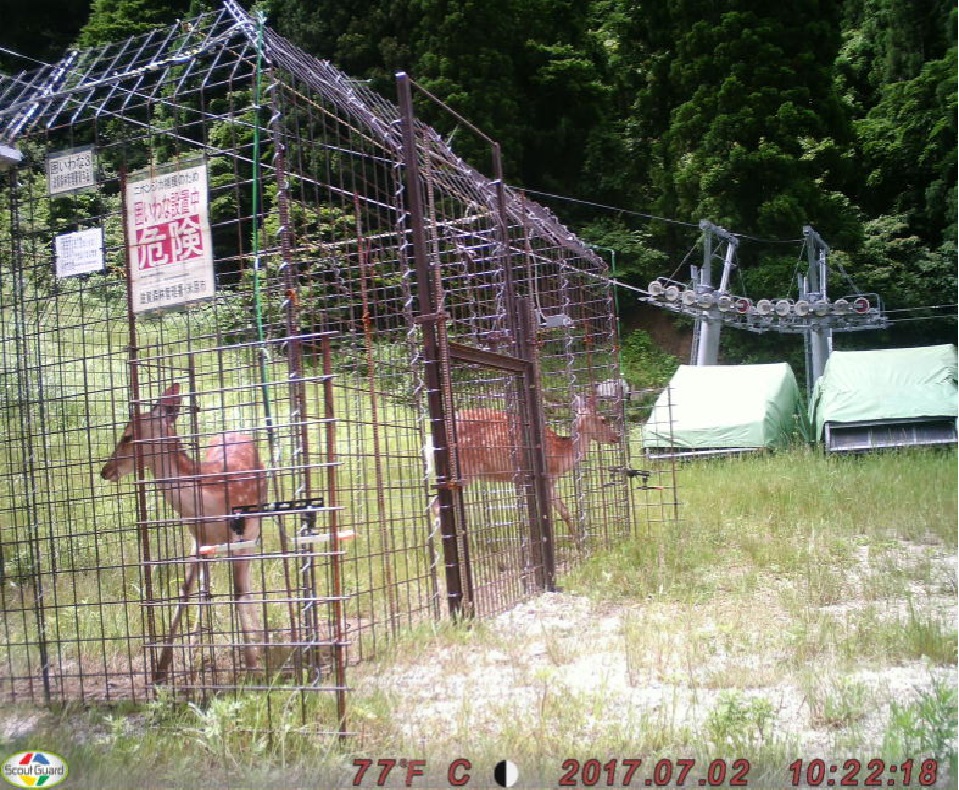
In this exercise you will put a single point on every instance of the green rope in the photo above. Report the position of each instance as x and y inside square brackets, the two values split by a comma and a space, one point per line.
[619, 331]
[257, 295]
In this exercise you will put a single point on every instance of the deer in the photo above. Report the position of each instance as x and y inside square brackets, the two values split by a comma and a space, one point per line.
[487, 446]
[204, 493]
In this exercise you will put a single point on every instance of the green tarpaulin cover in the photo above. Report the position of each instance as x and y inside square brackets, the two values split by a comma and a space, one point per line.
[725, 406]
[886, 384]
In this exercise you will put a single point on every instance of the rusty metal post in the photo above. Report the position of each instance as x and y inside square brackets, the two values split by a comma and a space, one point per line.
[157, 673]
[520, 314]
[541, 523]
[332, 502]
[309, 626]
[428, 318]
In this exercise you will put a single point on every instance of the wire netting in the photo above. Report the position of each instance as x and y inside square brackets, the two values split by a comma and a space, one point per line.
[313, 346]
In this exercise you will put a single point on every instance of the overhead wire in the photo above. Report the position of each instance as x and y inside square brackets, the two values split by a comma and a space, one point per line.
[655, 217]
[613, 208]
[922, 318]
[618, 283]
[24, 57]
[924, 307]
[682, 262]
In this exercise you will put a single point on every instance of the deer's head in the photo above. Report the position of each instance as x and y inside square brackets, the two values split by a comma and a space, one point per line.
[590, 425]
[154, 426]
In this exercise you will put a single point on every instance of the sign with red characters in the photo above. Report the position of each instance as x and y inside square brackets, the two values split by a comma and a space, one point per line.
[168, 235]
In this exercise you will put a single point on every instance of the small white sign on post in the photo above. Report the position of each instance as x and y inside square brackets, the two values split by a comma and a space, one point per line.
[79, 253]
[71, 171]
[168, 233]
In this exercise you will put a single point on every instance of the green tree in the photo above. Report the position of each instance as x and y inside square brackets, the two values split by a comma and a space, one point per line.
[368, 39]
[897, 69]
[563, 85]
[761, 118]
[757, 136]
[115, 20]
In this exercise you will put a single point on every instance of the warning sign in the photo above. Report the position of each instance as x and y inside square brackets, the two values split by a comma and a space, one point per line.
[79, 253]
[71, 171]
[168, 231]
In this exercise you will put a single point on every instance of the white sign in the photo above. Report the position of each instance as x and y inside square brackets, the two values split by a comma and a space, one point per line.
[79, 253]
[168, 232]
[71, 171]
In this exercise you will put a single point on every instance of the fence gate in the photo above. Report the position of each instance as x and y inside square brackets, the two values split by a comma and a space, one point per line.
[504, 528]
[486, 405]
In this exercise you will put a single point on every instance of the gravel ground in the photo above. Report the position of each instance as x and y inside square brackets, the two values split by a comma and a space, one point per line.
[606, 679]
[666, 666]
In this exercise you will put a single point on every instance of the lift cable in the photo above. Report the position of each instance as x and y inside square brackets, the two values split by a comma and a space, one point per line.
[6, 51]
[655, 217]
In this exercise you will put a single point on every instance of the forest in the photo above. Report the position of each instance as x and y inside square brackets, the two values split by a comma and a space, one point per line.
[633, 121]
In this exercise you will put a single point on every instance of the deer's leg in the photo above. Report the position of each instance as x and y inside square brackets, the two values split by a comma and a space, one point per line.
[246, 612]
[166, 656]
[560, 506]
[206, 590]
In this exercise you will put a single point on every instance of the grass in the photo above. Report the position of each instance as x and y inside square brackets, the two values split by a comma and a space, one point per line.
[797, 515]
[792, 570]
[925, 726]
[834, 701]
[738, 723]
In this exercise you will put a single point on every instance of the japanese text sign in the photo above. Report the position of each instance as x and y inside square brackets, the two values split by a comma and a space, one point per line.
[168, 233]
[79, 253]
[71, 171]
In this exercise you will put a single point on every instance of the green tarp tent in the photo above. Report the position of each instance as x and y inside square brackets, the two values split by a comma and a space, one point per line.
[887, 398]
[723, 408]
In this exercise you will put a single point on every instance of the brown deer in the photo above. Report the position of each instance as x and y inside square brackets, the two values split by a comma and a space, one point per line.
[487, 445]
[204, 493]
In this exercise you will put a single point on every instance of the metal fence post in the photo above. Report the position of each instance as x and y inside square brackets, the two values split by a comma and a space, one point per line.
[428, 318]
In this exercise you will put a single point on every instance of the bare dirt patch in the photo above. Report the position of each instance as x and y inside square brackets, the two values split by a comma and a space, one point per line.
[666, 666]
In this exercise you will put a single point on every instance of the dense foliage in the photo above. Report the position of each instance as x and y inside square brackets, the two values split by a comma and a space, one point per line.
[761, 117]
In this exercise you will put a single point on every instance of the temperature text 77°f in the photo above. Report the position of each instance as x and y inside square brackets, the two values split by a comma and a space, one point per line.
[376, 773]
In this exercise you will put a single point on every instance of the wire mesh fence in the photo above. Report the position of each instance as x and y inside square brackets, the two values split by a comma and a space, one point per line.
[655, 484]
[282, 376]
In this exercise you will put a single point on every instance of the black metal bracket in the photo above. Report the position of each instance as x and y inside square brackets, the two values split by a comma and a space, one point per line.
[308, 507]
[643, 474]
[283, 506]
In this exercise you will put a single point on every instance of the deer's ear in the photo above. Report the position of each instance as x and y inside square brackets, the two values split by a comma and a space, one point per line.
[579, 405]
[169, 403]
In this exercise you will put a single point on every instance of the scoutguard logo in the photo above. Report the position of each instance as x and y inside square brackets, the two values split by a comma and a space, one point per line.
[34, 769]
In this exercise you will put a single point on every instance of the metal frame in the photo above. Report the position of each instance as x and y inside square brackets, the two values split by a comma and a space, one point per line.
[369, 283]
[865, 435]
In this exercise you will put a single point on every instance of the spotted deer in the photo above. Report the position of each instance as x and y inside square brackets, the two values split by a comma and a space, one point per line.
[487, 446]
[204, 493]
